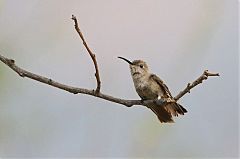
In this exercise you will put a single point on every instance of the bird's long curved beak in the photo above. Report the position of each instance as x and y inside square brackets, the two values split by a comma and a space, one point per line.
[126, 60]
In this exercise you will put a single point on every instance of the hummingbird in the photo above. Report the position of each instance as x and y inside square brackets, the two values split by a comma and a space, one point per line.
[150, 87]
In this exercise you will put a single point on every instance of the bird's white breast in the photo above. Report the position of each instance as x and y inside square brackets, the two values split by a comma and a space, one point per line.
[145, 88]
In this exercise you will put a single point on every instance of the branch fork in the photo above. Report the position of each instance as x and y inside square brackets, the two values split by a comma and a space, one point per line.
[96, 93]
[92, 55]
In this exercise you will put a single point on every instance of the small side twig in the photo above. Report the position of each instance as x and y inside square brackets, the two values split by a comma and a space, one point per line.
[199, 80]
[90, 53]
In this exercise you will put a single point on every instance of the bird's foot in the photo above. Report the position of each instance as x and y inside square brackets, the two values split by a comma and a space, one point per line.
[160, 101]
[170, 100]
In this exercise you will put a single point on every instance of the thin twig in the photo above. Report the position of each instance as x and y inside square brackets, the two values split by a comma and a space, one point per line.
[75, 90]
[199, 80]
[90, 53]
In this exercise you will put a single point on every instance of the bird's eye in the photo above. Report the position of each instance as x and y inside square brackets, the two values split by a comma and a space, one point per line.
[141, 66]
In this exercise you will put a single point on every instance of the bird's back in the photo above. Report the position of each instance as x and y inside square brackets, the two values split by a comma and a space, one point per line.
[152, 87]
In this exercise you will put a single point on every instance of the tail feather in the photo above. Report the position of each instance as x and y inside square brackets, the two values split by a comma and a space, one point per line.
[165, 113]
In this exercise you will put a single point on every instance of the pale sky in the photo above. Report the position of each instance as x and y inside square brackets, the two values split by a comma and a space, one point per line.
[178, 40]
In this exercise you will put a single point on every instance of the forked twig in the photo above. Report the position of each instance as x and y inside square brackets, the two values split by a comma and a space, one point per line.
[90, 53]
[199, 80]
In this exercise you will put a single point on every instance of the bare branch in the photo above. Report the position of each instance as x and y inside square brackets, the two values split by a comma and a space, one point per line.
[203, 77]
[90, 53]
[75, 90]
[96, 93]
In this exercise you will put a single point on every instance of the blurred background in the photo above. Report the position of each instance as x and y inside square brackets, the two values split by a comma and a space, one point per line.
[178, 40]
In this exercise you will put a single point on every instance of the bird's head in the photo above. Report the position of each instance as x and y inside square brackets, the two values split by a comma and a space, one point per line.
[138, 67]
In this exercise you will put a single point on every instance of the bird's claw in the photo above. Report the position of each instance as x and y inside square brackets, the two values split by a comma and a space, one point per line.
[170, 100]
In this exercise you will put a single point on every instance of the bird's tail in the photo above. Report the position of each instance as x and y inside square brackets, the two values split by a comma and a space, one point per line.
[165, 113]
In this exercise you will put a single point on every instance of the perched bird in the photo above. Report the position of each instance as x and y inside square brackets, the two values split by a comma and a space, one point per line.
[150, 87]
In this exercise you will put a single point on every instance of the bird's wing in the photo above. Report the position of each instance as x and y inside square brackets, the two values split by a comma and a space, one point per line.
[166, 112]
[164, 87]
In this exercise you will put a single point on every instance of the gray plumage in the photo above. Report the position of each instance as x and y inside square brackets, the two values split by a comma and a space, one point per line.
[150, 86]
